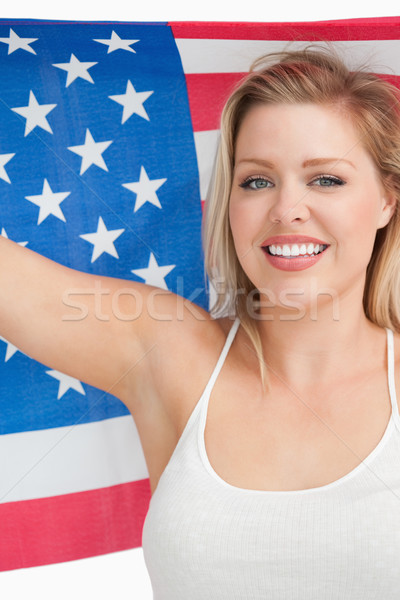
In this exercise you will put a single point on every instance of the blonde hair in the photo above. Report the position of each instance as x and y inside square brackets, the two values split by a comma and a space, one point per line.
[312, 75]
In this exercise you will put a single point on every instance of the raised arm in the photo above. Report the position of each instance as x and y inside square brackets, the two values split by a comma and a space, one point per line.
[94, 328]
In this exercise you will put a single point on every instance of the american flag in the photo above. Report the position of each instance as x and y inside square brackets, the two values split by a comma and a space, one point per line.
[107, 137]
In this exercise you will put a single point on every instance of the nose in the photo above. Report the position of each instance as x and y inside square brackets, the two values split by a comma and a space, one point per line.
[289, 206]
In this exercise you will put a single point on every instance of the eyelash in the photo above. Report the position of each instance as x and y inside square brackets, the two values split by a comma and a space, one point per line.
[335, 180]
[246, 183]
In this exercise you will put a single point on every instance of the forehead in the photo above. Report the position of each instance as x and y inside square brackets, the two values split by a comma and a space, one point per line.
[304, 131]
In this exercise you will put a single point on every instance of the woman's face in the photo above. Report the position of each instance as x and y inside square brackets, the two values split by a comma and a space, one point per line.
[302, 171]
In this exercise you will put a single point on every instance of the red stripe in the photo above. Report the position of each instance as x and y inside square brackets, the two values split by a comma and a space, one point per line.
[208, 92]
[382, 28]
[72, 526]
[393, 79]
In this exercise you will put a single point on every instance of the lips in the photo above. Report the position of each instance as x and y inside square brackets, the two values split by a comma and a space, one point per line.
[280, 240]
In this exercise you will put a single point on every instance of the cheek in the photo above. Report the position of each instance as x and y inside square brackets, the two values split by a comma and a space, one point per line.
[246, 221]
[363, 224]
[355, 232]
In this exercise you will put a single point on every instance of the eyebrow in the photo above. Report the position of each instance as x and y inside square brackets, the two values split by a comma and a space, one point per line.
[321, 161]
[313, 162]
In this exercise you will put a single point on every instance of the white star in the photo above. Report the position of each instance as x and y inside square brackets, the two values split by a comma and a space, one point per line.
[103, 240]
[35, 114]
[132, 101]
[76, 69]
[4, 158]
[145, 189]
[154, 275]
[91, 152]
[4, 234]
[11, 349]
[49, 203]
[66, 383]
[116, 43]
[16, 43]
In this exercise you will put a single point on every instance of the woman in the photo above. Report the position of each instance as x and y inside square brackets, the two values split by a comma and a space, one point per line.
[283, 480]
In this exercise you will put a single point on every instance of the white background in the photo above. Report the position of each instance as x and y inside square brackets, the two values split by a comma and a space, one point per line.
[122, 575]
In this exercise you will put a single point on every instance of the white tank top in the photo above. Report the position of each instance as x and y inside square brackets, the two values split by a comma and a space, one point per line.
[206, 539]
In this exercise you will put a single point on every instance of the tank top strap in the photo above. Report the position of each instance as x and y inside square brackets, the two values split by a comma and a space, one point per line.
[228, 342]
[391, 379]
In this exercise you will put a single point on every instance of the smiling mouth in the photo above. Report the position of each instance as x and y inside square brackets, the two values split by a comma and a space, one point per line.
[295, 251]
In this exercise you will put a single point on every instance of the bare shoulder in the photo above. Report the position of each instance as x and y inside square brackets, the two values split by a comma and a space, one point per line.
[180, 345]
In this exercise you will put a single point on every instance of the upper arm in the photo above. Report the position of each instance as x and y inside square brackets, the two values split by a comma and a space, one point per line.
[104, 331]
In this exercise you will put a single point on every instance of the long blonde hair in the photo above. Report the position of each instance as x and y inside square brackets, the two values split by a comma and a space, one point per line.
[316, 75]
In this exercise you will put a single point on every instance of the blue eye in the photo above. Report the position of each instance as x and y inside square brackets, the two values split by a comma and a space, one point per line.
[255, 183]
[327, 181]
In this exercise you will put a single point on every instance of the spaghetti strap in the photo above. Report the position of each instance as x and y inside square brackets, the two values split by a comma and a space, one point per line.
[391, 380]
[222, 356]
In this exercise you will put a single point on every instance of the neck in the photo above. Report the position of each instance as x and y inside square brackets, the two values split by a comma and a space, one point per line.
[320, 346]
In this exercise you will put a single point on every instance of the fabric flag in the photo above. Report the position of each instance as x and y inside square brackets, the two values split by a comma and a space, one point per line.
[108, 133]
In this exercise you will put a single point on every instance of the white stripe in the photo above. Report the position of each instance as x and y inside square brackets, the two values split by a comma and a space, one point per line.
[51, 462]
[236, 56]
[121, 575]
[206, 143]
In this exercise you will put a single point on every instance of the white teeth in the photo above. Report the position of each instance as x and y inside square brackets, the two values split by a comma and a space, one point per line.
[291, 251]
[296, 250]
